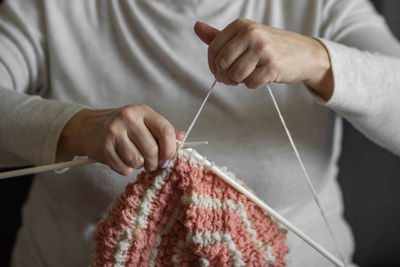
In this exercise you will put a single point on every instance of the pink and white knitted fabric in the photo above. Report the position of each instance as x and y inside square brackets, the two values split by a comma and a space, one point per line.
[187, 216]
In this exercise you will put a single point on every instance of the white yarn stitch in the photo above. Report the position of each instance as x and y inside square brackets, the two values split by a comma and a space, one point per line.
[215, 203]
[209, 238]
[176, 215]
[139, 220]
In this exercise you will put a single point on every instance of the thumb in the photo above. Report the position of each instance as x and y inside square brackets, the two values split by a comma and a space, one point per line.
[205, 32]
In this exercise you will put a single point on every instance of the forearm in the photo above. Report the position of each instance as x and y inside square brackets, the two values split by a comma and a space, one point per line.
[30, 126]
[366, 92]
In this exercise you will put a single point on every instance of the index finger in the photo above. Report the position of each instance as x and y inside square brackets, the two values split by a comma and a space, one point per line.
[164, 132]
[227, 34]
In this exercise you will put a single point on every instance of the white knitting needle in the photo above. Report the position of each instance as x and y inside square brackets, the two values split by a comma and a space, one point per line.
[68, 164]
[213, 168]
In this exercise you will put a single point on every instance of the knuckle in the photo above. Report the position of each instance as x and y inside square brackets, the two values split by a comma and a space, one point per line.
[236, 75]
[151, 151]
[251, 30]
[167, 129]
[222, 61]
[138, 161]
[143, 107]
[111, 129]
[125, 114]
[260, 48]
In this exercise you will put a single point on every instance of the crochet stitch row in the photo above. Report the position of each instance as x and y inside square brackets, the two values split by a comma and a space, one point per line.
[186, 216]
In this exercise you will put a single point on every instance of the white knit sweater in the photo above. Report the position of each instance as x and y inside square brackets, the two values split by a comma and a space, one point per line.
[104, 53]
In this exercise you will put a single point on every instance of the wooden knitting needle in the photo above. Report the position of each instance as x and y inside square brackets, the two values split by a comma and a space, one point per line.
[68, 164]
[213, 168]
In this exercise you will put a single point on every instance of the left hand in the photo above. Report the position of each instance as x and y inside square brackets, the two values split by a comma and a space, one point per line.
[255, 54]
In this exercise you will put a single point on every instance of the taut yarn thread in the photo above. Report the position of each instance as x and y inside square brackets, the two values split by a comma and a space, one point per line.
[307, 177]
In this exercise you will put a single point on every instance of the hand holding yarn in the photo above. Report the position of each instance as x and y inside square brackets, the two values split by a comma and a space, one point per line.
[122, 138]
[255, 54]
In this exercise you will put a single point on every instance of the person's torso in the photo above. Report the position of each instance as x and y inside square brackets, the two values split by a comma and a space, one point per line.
[113, 53]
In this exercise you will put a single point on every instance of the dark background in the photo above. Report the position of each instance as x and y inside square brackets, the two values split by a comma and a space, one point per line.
[369, 177]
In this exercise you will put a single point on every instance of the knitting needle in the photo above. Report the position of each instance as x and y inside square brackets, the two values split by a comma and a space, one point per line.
[69, 164]
[193, 144]
[213, 168]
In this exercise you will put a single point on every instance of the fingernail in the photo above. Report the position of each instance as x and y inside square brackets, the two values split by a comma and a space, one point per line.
[164, 164]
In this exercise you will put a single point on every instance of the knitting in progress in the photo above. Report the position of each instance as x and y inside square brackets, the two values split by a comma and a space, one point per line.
[186, 215]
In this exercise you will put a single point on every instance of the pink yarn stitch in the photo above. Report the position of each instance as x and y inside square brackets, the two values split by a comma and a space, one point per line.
[187, 217]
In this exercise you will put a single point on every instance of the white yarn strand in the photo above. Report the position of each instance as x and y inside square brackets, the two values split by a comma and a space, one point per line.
[311, 186]
[197, 115]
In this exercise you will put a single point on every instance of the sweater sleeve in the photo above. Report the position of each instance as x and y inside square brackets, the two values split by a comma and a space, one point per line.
[365, 59]
[29, 125]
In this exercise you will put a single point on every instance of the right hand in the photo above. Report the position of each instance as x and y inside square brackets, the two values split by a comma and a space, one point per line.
[122, 138]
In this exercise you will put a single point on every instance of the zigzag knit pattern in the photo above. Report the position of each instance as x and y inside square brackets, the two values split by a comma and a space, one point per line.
[187, 216]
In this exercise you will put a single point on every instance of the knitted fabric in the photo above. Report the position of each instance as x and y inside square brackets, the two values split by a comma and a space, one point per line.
[187, 216]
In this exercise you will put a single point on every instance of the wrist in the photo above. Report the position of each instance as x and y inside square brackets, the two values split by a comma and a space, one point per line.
[320, 77]
[68, 142]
